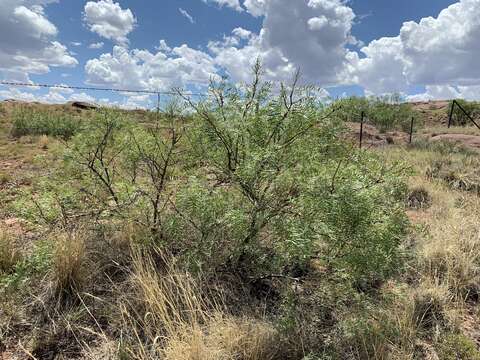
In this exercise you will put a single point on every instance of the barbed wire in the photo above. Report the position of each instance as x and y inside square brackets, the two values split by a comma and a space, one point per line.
[85, 88]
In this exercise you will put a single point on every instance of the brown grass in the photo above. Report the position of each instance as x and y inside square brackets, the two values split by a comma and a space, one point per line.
[172, 319]
[68, 257]
[9, 254]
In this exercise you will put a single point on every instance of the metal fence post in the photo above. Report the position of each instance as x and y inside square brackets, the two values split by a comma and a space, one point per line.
[361, 128]
[450, 115]
[158, 103]
[411, 131]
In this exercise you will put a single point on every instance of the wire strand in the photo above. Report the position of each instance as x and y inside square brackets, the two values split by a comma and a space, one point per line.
[151, 92]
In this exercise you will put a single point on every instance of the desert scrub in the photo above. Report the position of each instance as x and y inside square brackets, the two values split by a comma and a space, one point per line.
[240, 188]
[27, 121]
[459, 118]
[386, 113]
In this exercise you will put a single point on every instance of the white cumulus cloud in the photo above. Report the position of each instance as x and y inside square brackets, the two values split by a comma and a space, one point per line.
[109, 20]
[309, 35]
[141, 69]
[440, 52]
[28, 40]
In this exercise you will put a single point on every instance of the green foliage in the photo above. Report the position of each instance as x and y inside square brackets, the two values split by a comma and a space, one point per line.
[255, 188]
[274, 158]
[366, 339]
[359, 218]
[208, 225]
[459, 117]
[386, 113]
[27, 121]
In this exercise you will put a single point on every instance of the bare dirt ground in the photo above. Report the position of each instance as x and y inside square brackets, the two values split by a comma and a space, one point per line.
[434, 113]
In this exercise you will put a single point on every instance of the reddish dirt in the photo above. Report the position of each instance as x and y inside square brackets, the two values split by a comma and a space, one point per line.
[430, 105]
[471, 141]
[374, 138]
[434, 113]
[14, 226]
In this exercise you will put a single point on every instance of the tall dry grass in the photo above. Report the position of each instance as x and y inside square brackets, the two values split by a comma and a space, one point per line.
[69, 254]
[171, 319]
[9, 253]
[450, 253]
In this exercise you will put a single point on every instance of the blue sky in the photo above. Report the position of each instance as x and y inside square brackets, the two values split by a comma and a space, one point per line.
[422, 49]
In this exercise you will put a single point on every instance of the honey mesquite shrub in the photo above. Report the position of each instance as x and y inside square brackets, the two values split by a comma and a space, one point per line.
[269, 194]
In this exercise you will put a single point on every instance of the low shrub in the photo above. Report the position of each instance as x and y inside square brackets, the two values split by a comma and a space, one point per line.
[29, 267]
[27, 121]
[418, 198]
[5, 178]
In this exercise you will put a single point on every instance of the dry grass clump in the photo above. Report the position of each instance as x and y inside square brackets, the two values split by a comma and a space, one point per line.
[9, 254]
[170, 319]
[5, 178]
[458, 172]
[402, 326]
[451, 254]
[43, 142]
[225, 338]
[68, 258]
[431, 306]
[419, 198]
